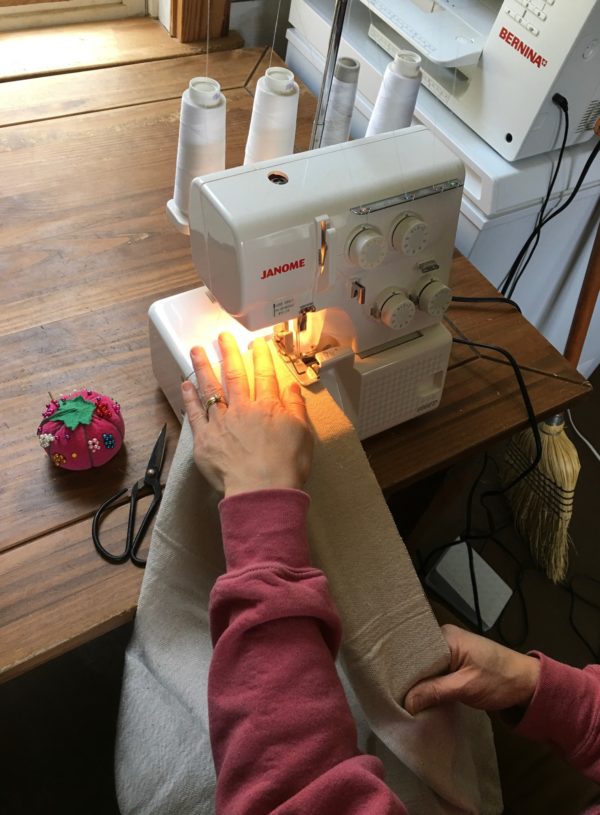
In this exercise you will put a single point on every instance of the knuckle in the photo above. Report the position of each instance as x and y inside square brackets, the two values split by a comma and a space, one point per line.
[199, 359]
[434, 694]
[234, 375]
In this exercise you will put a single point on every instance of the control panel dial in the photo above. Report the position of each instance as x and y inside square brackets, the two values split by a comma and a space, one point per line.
[394, 309]
[367, 248]
[410, 235]
[433, 297]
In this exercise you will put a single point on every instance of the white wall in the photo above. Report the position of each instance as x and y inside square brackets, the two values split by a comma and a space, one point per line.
[255, 21]
[164, 12]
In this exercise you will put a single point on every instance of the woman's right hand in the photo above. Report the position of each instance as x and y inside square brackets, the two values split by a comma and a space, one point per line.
[482, 674]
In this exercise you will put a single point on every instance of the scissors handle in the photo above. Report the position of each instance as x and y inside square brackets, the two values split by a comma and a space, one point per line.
[150, 481]
[134, 542]
[109, 556]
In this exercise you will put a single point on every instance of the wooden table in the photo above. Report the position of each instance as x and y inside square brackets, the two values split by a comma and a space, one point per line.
[86, 167]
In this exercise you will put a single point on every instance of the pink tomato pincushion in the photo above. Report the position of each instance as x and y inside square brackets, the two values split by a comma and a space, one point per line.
[82, 430]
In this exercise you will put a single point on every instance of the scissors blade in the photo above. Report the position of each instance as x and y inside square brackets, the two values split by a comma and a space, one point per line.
[155, 461]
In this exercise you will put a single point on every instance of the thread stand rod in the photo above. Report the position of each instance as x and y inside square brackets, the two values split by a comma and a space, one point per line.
[337, 24]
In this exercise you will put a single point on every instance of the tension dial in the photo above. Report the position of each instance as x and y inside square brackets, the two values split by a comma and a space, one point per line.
[367, 248]
[394, 309]
[433, 297]
[410, 235]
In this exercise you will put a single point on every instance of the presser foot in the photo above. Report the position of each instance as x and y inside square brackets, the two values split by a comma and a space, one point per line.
[376, 392]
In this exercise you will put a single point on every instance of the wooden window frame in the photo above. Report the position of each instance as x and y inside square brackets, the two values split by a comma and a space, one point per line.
[190, 20]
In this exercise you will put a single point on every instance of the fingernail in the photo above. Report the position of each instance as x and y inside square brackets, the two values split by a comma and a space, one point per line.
[187, 385]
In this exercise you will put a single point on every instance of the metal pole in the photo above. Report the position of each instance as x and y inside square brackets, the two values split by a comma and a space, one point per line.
[337, 24]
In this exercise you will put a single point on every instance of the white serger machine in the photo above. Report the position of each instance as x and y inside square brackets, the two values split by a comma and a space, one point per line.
[498, 63]
[342, 256]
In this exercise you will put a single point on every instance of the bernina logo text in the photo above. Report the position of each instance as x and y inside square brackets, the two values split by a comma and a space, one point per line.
[525, 50]
[285, 267]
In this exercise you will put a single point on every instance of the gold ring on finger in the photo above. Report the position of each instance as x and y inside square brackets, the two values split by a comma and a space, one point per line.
[212, 400]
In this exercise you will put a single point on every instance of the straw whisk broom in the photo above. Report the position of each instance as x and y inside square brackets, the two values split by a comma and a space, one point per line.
[542, 502]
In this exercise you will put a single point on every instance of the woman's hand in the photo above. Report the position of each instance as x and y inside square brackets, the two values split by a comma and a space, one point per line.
[482, 674]
[247, 444]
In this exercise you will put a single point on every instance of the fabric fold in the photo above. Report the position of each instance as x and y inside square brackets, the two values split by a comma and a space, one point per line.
[391, 639]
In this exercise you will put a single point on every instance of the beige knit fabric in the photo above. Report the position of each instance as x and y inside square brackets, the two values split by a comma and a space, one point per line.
[442, 761]
[391, 638]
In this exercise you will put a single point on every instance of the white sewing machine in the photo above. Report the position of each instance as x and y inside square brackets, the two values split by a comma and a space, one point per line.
[342, 255]
[497, 63]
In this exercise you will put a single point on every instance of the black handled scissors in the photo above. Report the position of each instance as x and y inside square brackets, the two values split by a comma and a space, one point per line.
[150, 481]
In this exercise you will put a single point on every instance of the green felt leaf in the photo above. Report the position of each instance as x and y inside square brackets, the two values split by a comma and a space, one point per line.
[74, 412]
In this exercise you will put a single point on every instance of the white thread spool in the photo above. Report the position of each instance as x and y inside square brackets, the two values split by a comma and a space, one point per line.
[395, 103]
[201, 147]
[341, 102]
[273, 123]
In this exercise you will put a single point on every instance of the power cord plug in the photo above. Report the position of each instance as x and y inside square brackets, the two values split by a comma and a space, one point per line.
[561, 102]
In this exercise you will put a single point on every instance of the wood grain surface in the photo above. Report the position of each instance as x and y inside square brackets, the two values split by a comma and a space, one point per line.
[85, 248]
[28, 100]
[58, 594]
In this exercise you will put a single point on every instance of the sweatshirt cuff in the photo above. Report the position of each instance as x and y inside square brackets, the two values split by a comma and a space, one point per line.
[265, 526]
[550, 701]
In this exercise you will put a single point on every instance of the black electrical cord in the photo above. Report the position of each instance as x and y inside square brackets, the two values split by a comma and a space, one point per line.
[570, 591]
[505, 300]
[520, 575]
[468, 536]
[516, 268]
[532, 423]
[563, 106]
[509, 285]
[528, 407]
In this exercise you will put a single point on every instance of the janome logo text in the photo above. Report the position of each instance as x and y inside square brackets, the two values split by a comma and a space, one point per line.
[285, 267]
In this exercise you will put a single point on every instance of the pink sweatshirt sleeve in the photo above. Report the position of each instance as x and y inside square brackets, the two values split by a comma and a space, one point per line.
[282, 735]
[565, 711]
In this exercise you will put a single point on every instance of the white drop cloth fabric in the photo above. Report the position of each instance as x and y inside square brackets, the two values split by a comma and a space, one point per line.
[442, 761]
